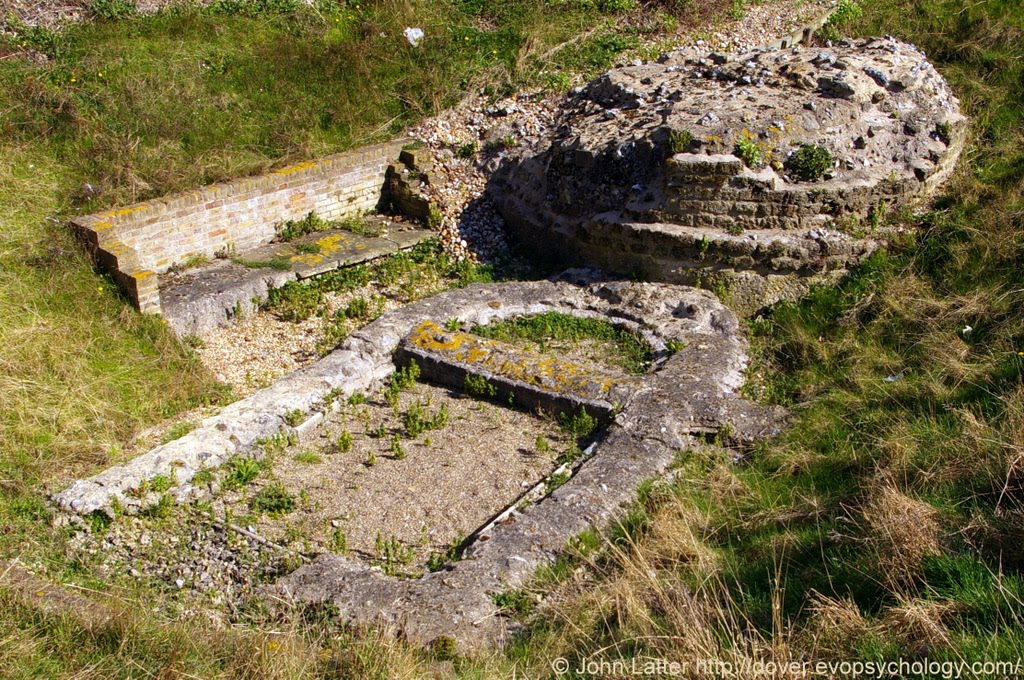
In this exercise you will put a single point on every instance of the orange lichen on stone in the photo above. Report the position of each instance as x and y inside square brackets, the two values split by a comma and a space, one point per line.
[514, 363]
[295, 168]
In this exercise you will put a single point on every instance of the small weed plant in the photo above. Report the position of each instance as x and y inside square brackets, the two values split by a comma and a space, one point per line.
[810, 162]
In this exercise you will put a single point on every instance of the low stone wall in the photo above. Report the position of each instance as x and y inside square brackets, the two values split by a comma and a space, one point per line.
[138, 242]
[689, 396]
[527, 379]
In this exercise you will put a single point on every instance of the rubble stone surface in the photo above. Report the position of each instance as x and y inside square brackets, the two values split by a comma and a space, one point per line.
[643, 172]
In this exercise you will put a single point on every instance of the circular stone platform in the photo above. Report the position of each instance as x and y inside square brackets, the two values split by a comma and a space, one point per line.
[644, 173]
[690, 395]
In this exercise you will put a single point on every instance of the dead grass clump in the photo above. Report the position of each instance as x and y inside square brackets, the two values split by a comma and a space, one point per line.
[659, 596]
[918, 624]
[835, 627]
[902, 532]
[676, 536]
[947, 353]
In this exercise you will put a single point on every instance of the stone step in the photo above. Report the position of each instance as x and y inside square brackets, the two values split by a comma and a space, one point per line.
[323, 251]
[776, 250]
[198, 300]
[519, 376]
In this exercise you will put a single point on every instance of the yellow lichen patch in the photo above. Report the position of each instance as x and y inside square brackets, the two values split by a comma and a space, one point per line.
[101, 225]
[307, 258]
[330, 244]
[124, 211]
[430, 336]
[142, 275]
[117, 248]
[294, 168]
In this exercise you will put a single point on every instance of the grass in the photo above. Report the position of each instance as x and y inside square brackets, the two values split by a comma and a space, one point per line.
[884, 523]
[619, 345]
[406, 276]
[132, 107]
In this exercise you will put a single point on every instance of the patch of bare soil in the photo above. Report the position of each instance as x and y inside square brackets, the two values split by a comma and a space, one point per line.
[393, 499]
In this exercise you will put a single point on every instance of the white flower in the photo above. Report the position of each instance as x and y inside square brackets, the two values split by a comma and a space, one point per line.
[414, 36]
[967, 329]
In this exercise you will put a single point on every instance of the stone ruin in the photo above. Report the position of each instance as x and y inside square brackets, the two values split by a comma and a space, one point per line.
[644, 175]
[690, 396]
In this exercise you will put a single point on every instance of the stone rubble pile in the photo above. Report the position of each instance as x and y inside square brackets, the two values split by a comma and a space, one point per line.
[692, 169]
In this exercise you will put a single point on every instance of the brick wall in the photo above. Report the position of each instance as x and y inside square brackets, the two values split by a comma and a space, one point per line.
[138, 242]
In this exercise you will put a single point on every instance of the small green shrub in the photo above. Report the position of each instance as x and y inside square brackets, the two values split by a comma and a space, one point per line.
[273, 499]
[478, 386]
[307, 458]
[438, 560]
[435, 217]
[241, 471]
[345, 441]
[467, 150]
[542, 445]
[579, 425]
[556, 481]
[406, 377]
[845, 13]
[290, 230]
[277, 443]
[506, 142]
[396, 448]
[392, 554]
[571, 454]
[162, 509]
[295, 301]
[749, 151]
[357, 309]
[98, 521]
[307, 248]
[417, 421]
[160, 483]
[680, 141]
[810, 162]
[339, 542]
[944, 132]
[358, 224]
[514, 601]
[356, 398]
[294, 417]
[444, 647]
[112, 10]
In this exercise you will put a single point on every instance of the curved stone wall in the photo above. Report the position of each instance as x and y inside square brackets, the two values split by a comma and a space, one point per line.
[686, 170]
